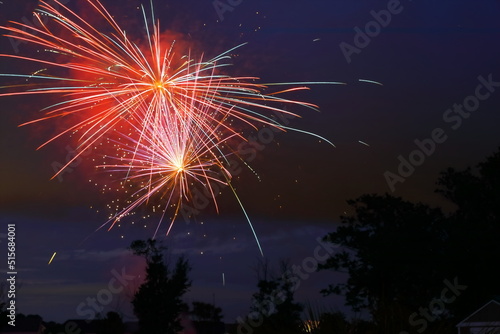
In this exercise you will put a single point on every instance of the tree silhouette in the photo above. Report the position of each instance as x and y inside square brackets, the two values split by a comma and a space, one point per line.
[206, 312]
[274, 303]
[393, 252]
[475, 230]
[112, 324]
[399, 254]
[157, 303]
[332, 322]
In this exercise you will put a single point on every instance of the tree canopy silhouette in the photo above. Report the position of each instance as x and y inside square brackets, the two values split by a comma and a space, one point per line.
[274, 304]
[474, 234]
[157, 303]
[398, 254]
[393, 251]
[206, 312]
[111, 324]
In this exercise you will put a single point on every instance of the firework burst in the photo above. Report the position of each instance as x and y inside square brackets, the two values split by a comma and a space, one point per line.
[173, 155]
[112, 78]
[173, 110]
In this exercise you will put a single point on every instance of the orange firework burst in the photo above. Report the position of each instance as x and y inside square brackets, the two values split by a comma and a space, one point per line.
[175, 110]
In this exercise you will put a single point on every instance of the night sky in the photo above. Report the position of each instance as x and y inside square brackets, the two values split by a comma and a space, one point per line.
[429, 57]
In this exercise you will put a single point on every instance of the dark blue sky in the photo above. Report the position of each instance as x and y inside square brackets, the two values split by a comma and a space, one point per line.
[428, 58]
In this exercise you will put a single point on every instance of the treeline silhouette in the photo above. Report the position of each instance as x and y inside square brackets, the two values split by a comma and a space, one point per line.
[411, 267]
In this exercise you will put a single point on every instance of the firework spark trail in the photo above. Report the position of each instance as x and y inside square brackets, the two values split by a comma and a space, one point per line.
[175, 110]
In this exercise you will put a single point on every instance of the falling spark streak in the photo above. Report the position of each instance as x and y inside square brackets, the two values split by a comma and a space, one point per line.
[248, 218]
[362, 142]
[371, 81]
[52, 258]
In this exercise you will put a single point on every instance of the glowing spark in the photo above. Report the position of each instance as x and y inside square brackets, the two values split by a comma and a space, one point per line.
[371, 81]
[52, 258]
[362, 142]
